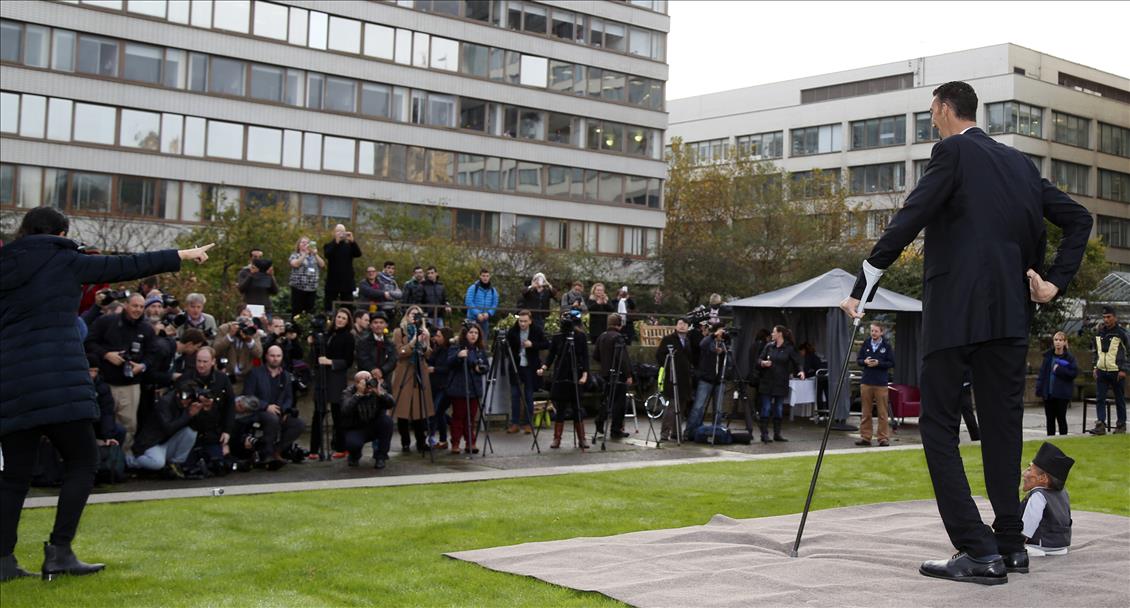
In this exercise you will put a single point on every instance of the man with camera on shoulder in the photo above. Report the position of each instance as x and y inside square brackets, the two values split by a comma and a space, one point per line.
[257, 281]
[239, 343]
[166, 439]
[281, 426]
[365, 418]
[711, 378]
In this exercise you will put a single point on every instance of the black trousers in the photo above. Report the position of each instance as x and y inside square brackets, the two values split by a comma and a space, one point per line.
[76, 444]
[342, 294]
[998, 379]
[278, 433]
[302, 301]
[379, 430]
[1055, 411]
[619, 399]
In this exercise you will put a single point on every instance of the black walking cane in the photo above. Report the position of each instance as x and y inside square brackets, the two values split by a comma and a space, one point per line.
[871, 277]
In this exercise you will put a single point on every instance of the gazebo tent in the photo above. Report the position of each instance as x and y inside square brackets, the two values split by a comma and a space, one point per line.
[811, 309]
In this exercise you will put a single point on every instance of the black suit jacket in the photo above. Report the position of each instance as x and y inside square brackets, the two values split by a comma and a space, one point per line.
[983, 205]
[685, 356]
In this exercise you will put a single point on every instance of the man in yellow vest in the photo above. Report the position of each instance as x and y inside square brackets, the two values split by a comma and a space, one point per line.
[1111, 365]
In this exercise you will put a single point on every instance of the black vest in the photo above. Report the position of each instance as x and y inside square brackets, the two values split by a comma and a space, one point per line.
[1054, 530]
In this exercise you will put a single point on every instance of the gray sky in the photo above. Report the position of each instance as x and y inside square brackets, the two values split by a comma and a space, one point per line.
[717, 46]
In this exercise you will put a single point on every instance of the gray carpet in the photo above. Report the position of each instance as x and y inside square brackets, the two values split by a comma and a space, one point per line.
[853, 556]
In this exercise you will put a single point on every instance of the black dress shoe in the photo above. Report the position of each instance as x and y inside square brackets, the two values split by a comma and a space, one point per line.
[60, 559]
[965, 569]
[1016, 562]
[380, 463]
[10, 569]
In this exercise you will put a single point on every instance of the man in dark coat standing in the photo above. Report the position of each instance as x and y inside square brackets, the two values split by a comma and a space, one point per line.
[682, 345]
[339, 267]
[983, 206]
[45, 385]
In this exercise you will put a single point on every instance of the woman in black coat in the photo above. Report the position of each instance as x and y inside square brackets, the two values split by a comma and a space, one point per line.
[45, 385]
[570, 375]
[467, 364]
[1056, 382]
[336, 361]
[779, 361]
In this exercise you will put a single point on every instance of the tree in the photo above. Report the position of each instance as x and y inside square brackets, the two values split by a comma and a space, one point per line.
[1052, 317]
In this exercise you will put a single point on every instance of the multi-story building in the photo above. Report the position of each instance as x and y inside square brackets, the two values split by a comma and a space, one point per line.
[540, 121]
[871, 127]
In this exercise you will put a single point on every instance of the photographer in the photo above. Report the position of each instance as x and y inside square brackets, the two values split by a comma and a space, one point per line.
[683, 348]
[439, 373]
[574, 299]
[467, 364]
[569, 348]
[778, 362]
[285, 336]
[272, 386]
[194, 317]
[526, 341]
[604, 353]
[305, 267]
[166, 439]
[214, 424]
[187, 346]
[104, 300]
[247, 435]
[538, 298]
[126, 345]
[411, 384]
[339, 255]
[711, 378]
[365, 418]
[238, 342]
[258, 283]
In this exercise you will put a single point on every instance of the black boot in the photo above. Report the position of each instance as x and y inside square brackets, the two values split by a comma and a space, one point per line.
[10, 569]
[777, 430]
[60, 559]
[764, 431]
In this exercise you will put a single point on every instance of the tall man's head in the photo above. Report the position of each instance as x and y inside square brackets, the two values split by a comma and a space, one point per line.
[135, 307]
[954, 108]
[274, 357]
[205, 360]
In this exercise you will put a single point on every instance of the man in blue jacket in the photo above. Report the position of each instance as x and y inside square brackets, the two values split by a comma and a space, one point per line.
[876, 357]
[481, 301]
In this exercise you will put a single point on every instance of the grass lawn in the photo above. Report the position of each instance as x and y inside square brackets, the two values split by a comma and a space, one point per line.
[384, 547]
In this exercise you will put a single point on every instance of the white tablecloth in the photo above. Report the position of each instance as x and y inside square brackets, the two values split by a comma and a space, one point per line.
[802, 397]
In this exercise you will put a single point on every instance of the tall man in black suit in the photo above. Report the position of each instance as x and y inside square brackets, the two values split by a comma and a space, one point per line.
[983, 206]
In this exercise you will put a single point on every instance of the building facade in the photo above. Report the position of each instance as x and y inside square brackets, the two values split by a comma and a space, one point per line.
[871, 127]
[535, 121]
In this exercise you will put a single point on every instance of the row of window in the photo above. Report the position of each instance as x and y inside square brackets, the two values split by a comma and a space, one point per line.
[556, 23]
[174, 68]
[143, 197]
[38, 117]
[1114, 231]
[1026, 119]
[321, 31]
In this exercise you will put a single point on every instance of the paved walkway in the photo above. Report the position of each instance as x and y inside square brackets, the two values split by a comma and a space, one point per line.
[515, 456]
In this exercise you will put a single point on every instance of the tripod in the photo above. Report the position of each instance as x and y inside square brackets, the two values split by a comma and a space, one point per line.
[501, 349]
[568, 341]
[498, 350]
[611, 390]
[669, 374]
[718, 393]
[418, 350]
[472, 424]
[320, 433]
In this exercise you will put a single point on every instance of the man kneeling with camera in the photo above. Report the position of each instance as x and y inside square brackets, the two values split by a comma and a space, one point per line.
[365, 418]
[166, 439]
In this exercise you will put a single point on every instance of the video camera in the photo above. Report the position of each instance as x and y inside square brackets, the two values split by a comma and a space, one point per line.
[111, 295]
[247, 328]
[263, 264]
[697, 315]
[168, 300]
[569, 320]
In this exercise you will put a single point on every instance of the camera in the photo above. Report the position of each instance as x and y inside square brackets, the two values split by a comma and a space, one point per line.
[263, 264]
[372, 383]
[247, 328]
[697, 315]
[111, 295]
[170, 301]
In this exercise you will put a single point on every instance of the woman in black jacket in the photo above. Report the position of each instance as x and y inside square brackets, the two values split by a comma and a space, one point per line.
[466, 365]
[570, 375]
[45, 385]
[438, 371]
[1056, 382]
[336, 360]
[779, 361]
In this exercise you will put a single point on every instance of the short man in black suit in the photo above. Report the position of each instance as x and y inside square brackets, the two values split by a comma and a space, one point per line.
[983, 206]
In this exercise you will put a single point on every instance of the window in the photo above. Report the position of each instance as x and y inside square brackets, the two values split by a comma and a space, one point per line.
[37, 40]
[9, 112]
[715, 150]
[1114, 140]
[140, 130]
[445, 54]
[533, 71]
[470, 170]
[366, 155]
[379, 41]
[529, 178]
[535, 22]
[97, 56]
[197, 72]
[876, 132]
[10, 39]
[855, 89]
[924, 129]
[264, 145]
[557, 181]
[562, 129]
[89, 192]
[176, 70]
[608, 239]
[475, 60]
[312, 151]
[611, 188]
[1015, 117]
[266, 82]
[420, 49]
[141, 196]
[172, 133]
[225, 139]
[270, 20]
[227, 77]
[63, 51]
[527, 230]
[142, 63]
[1071, 177]
[345, 35]
[868, 179]
[441, 110]
[339, 154]
[1071, 130]
[233, 15]
[817, 140]
[7, 184]
[472, 114]
[292, 149]
[479, 10]
[764, 145]
[375, 99]
[33, 116]
[1115, 232]
[654, 187]
[582, 236]
[59, 113]
[476, 226]
[95, 124]
[315, 87]
[815, 184]
[341, 95]
[194, 129]
[295, 92]
[415, 164]
[612, 86]
[531, 124]
[635, 190]
[1114, 186]
[562, 26]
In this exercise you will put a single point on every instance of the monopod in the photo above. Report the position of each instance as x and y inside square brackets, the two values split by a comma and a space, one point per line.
[871, 277]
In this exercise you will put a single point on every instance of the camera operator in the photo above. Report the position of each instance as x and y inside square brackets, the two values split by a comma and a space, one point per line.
[104, 301]
[158, 376]
[106, 428]
[285, 336]
[604, 353]
[166, 439]
[272, 385]
[574, 299]
[213, 425]
[526, 341]
[258, 284]
[339, 254]
[185, 359]
[126, 344]
[375, 351]
[194, 317]
[466, 364]
[253, 254]
[711, 378]
[239, 343]
[365, 418]
[412, 391]
[243, 447]
[568, 381]
[683, 346]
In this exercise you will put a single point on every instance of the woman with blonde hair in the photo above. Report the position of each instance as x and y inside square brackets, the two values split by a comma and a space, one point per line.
[411, 381]
[1056, 382]
[305, 265]
[600, 306]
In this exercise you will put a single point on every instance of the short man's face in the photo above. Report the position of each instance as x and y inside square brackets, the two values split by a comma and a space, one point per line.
[194, 309]
[1109, 320]
[274, 357]
[1031, 477]
[135, 307]
[204, 362]
[524, 321]
[876, 332]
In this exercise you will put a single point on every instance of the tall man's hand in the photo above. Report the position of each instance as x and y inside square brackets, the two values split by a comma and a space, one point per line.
[196, 254]
[1041, 291]
[850, 306]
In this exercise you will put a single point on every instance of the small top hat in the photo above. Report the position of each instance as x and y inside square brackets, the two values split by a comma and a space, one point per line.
[1053, 461]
